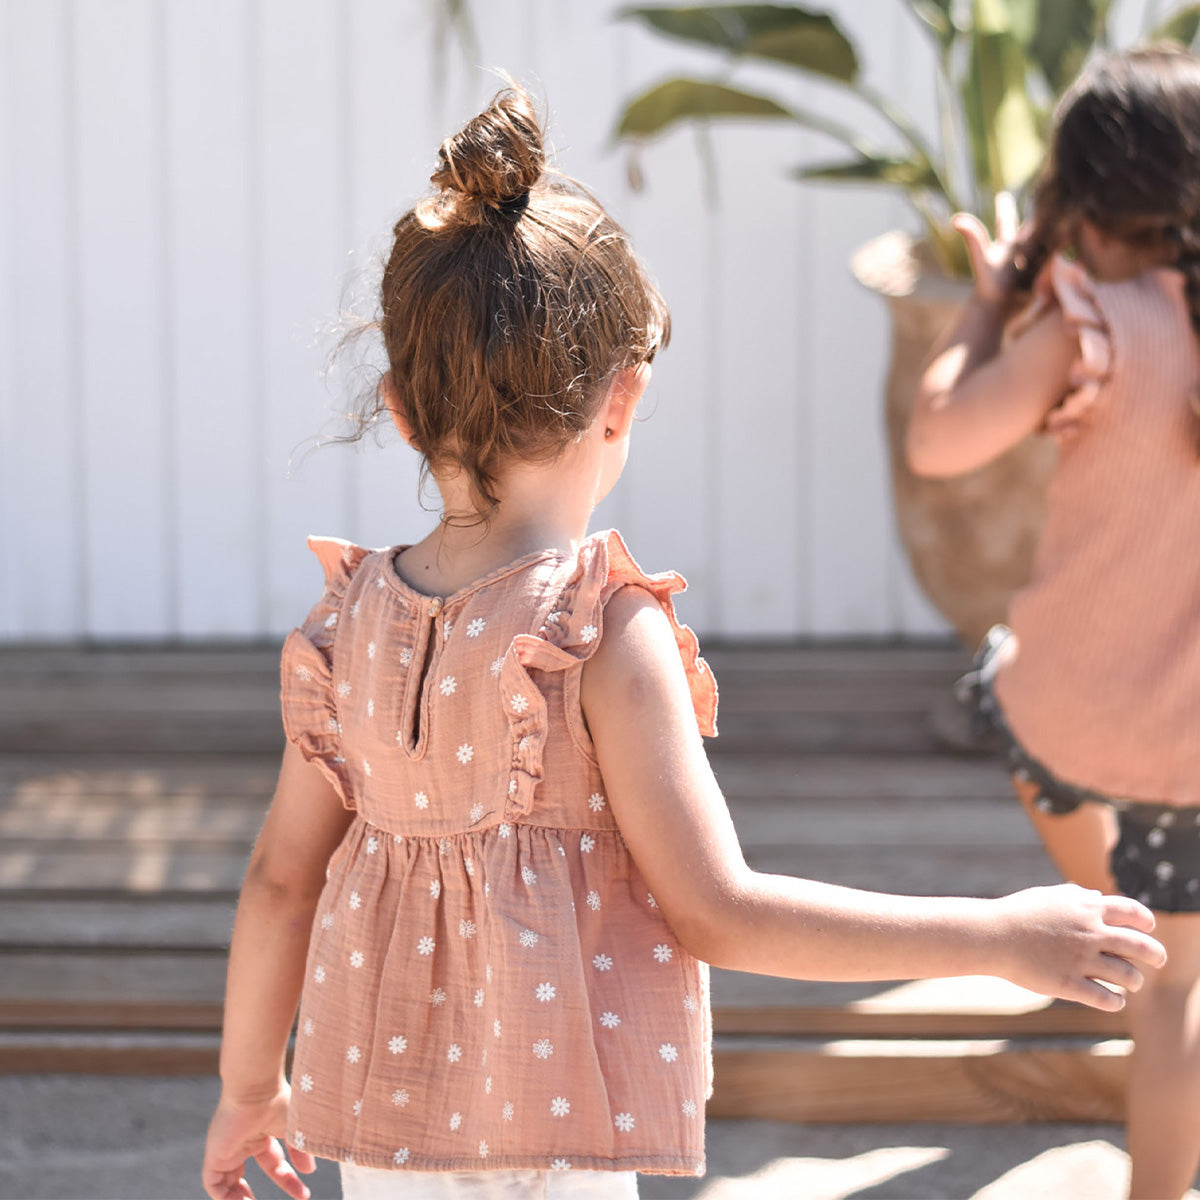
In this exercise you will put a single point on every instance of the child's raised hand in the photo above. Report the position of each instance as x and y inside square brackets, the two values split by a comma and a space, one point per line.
[992, 259]
[1077, 944]
[239, 1132]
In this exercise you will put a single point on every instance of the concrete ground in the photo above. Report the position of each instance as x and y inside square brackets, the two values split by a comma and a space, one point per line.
[103, 1138]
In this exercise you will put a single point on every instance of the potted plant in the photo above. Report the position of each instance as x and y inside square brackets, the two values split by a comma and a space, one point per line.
[1001, 66]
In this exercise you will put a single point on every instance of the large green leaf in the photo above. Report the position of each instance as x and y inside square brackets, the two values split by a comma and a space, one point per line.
[1017, 17]
[1066, 32]
[1006, 146]
[938, 15]
[908, 173]
[675, 100]
[1181, 26]
[779, 33]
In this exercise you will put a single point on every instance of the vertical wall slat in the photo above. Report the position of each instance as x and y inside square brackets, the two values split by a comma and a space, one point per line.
[211, 306]
[303, 258]
[9, 492]
[119, 275]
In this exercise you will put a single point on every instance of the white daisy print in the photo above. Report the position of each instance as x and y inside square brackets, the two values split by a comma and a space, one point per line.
[469, 864]
[496, 1027]
[560, 1164]
[560, 1106]
[527, 938]
[426, 945]
[447, 626]
[496, 666]
[449, 685]
[353, 1054]
[479, 997]
[454, 1053]
[333, 725]
[610, 1020]
[587, 843]
[523, 744]
[306, 1083]
[398, 1044]
[421, 800]
[507, 1111]
[588, 633]
[308, 1027]
[690, 1003]
[512, 786]
[331, 620]
[593, 900]
[650, 900]
[298, 1140]
[372, 845]
[476, 813]
[545, 991]
[357, 959]
[596, 802]
[466, 928]
[504, 829]
[624, 1122]
[304, 673]
[327, 921]
[455, 1120]
[437, 997]
[519, 703]
[405, 656]
[355, 901]
[370, 713]
[667, 1052]
[400, 1097]
[483, 1150]
[443, 845]
[319, 975]
[689, 1108]
[401, 1156]
[357, 1108]
[344, 689]
[370, 646]
[465, 753]
[435, 888]
[602, 962]
[476, 627]
[543, 1048]
[487, 972]
[663, 952]
[529, 876]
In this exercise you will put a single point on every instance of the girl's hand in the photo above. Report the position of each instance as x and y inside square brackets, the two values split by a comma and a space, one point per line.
[240, 1131]
[992, 261]
[1077, 944]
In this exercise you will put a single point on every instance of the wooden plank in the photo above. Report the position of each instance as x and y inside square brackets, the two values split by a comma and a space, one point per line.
[65, 924]
[980, 1082]
[81, 1053]
[120, 867]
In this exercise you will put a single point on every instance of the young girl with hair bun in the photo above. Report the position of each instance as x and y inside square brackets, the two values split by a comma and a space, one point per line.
[1096, 686]
[497, 860]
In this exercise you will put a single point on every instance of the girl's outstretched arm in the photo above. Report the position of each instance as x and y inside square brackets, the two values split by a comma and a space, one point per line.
[279, 897]
[1061, 941]
[980, 396]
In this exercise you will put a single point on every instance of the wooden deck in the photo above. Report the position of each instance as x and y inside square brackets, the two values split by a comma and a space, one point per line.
[132, 784]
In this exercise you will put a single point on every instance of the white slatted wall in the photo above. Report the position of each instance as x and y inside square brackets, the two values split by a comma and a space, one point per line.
[187, 185]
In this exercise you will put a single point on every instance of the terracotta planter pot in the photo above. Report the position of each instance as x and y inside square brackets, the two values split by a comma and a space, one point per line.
[970, 539]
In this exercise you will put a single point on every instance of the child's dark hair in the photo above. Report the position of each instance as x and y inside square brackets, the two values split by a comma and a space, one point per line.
[1126, 157]
[509, 301]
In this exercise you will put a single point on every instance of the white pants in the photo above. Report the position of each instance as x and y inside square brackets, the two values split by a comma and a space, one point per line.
[371, 1183]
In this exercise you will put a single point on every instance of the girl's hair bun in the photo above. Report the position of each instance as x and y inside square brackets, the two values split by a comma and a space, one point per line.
[497, 157]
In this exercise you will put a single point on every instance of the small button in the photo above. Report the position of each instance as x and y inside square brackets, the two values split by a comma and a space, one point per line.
[435, 606]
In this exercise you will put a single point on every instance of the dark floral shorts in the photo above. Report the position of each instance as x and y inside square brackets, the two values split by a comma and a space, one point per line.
[1156, 858]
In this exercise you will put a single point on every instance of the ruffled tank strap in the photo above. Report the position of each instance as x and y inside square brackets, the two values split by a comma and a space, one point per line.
[307, 693]
[569, 637]
[1067, 286]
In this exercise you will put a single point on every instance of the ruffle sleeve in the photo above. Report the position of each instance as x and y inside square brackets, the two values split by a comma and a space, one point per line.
[307, 695]
[1068, 286]
[570, 636]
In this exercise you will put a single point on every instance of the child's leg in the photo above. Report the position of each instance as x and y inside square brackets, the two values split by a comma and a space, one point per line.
[1079, 843]
[1163, 1101]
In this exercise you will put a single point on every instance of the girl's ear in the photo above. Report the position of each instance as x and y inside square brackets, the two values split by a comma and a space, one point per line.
[624, 394]
[391, 398]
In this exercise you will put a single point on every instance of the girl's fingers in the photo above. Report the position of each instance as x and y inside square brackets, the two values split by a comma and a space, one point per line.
[1126, 912]
[975, 236]
[1094, 995]
[277, 1168]
[302, 1161]
[1119, 972]
[1007, 220]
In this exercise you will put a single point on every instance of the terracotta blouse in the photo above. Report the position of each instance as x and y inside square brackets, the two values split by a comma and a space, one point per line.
[489, 982]
[1105, 686]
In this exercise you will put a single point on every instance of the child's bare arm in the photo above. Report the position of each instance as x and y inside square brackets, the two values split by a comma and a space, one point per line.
[279, 896]
[978, 397]
[1058, 941]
